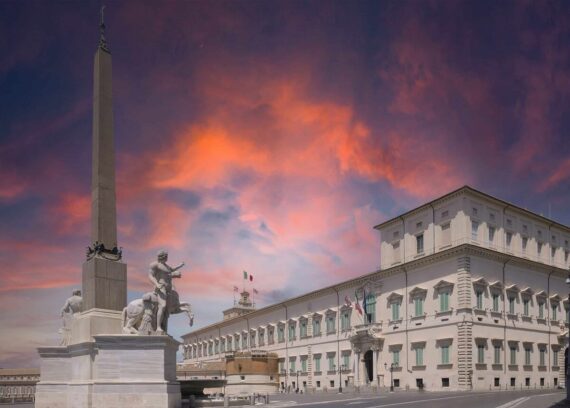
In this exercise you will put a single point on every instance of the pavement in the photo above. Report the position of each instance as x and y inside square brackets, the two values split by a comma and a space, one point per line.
[471, 399]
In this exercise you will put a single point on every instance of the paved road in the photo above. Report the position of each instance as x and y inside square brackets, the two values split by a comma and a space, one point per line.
[494, 399]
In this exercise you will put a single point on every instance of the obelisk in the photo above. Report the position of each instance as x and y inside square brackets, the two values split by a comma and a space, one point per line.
[104, 275]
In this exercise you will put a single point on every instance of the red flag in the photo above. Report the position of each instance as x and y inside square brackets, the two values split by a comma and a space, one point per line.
[250, 277]
[358, 308]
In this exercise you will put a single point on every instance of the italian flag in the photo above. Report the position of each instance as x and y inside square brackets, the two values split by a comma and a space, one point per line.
[245, 275]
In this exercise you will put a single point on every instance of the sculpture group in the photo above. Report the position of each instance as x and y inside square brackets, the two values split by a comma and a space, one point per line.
[147, 315]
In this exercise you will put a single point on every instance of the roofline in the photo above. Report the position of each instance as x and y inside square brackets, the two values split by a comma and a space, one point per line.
[348, 282]
[475, 191]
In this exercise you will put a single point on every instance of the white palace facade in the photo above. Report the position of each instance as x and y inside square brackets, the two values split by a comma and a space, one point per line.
[470, 294]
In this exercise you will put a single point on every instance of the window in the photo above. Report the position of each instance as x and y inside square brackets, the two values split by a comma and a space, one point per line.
[303, 328]
[345, 320]
[345, 361]
[443, 301]
[479, 299]
[396, 357]
[474, 230]
[497, 355]
[292, 364]
[396, 251]
[316, 327]
[566, 253]
[491, 235]
[419, 306]
[446, 234]
[495, 302]
[318, 384]
[513, 380]
[524, 244]
[330, 323]
[511, 305]
[555, 358]
[217, 348]
[419, 356]
[445, 382]
[420, 243]
[475, 211]
[230, 344]
[513, 353]
[509, 239]
[539, 248]
[527, 381]
[541, 310]
[291, 331]
[395, 311]
[445, 354]
[304, 364]
[244, 341]
[317, 361]
[542, 356]
[480, 354]
[370, 308]
[526, 303]
[330, 358]
[281, 334]
[554, 309]
[553, 252]
[527, 356]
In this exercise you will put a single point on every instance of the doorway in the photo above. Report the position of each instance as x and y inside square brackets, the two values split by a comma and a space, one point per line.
[368, 363]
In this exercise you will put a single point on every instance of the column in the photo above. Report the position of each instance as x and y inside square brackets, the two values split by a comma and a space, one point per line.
[357, 368]
[375, 366]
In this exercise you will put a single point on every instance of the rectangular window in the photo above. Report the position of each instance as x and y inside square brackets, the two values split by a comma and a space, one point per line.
[513, 351]
[541, 310]
[304, 365]
[419, 356]
[281, 366]
[474, 230]
[566, 254]
[497, 356]
[303, 329]
[491, 235]
[526, 303]
[509, 239]
[480, 354]
[539, 248]
[345, 361]
[495, 302]
[395, 311]
[330, 324]
[370, 309]
[396, 357]
[330, 359]
[317, 327]
[291, 331]
[445, 354]
[443, 301]
[555, 358]
[524, 244]
[554, 310]
[396, 251]
[446, 234]
[420, 243]
[419, 306]
[292, 364]
[527, 356]
[553, 252]
[542, 357]
[345, 320]
[512, 305]
[317, 360]
[479, 299]
[281, 334]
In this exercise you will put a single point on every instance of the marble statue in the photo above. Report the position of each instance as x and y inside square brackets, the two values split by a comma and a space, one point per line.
[72, 305]
[149, 314]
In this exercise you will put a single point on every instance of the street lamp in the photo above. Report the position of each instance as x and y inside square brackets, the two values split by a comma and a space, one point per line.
[392, 366]
[341, 368]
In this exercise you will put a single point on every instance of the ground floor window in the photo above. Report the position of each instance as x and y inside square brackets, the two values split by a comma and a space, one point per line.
[420, 383]
[396, 382]
[445, 382]
[497, 382]
[513, 381]
[556, 382]
[332, 383]
[542, 382]
[318, 384]
[527, 381]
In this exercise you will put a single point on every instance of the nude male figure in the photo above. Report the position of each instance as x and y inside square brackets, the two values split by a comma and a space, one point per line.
[161, 275]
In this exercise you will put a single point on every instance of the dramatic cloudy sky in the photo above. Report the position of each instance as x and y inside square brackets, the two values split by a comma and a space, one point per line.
[266, 136]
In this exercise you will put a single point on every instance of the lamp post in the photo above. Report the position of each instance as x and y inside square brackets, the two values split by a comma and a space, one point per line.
[392, 366]
[340, 369]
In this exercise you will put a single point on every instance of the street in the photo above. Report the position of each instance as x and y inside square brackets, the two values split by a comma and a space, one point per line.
[491, 399]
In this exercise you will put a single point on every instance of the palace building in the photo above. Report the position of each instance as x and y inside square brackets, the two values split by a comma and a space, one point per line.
[470, 294]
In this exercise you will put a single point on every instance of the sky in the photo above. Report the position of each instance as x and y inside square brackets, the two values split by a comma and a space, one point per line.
[266, 136]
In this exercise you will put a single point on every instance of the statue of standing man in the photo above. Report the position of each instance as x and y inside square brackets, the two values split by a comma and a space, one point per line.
[161, 275]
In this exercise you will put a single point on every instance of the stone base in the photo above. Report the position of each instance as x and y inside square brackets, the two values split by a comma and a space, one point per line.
[94, 322]
[111, 371]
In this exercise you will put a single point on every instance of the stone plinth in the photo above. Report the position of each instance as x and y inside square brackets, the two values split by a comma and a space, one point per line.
[86, 325]
[110, 372]
[104, 284]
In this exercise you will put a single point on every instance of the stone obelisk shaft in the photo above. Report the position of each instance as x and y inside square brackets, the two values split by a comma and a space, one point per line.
[103, 201]
[104, 275]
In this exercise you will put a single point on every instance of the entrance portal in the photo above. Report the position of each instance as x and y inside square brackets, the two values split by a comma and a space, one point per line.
[368, 362]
